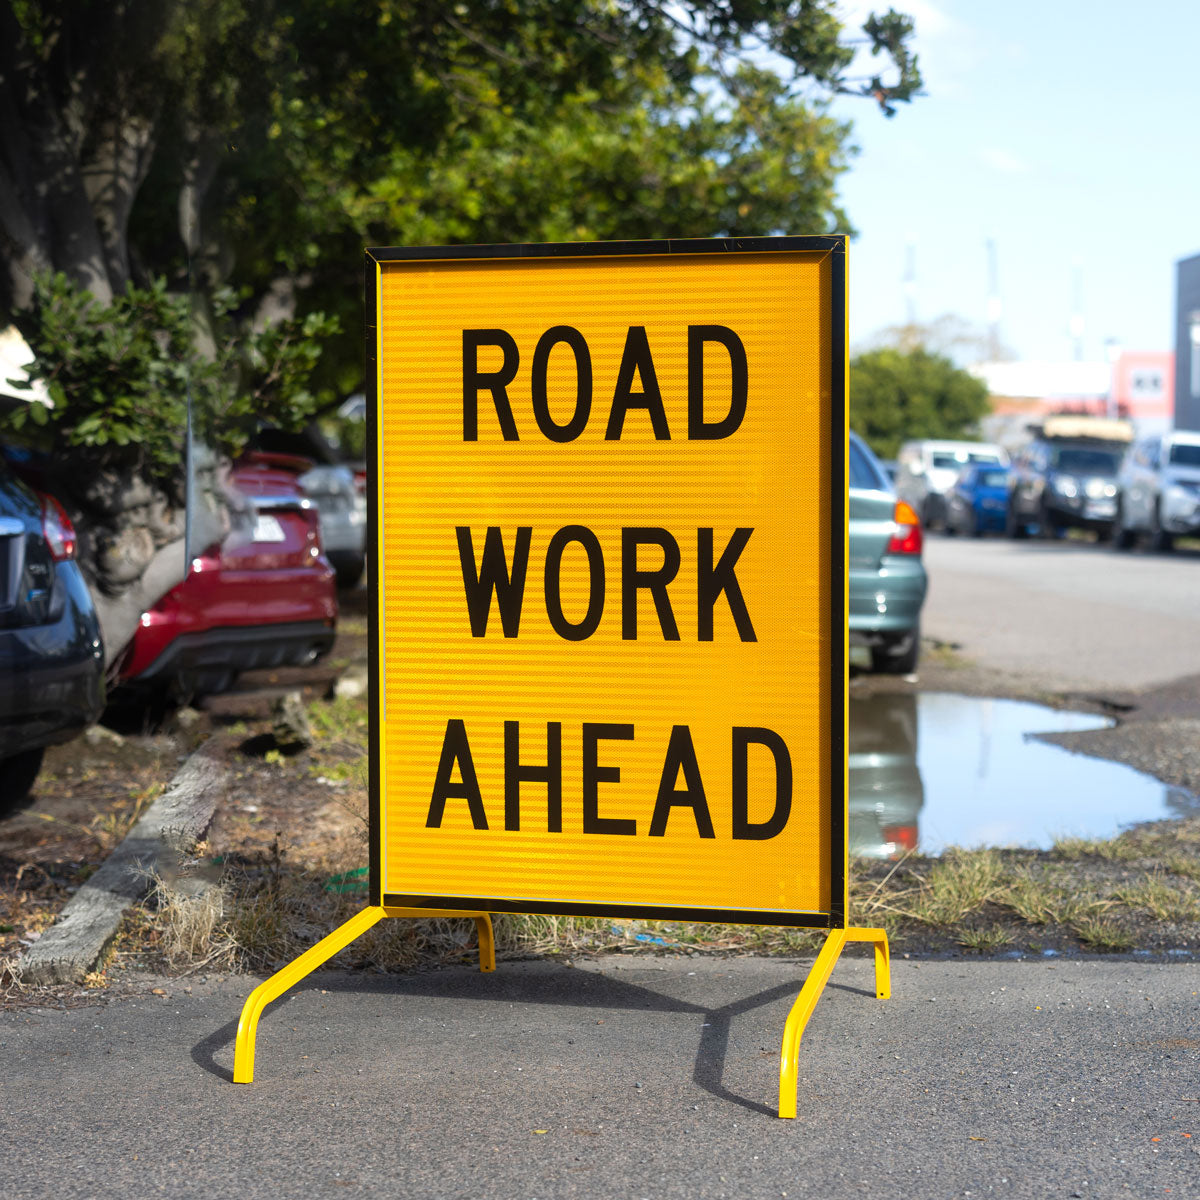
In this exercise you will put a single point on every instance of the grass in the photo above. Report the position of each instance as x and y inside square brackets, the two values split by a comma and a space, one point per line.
[1095, 895]
[1159, 899]
[268, 911]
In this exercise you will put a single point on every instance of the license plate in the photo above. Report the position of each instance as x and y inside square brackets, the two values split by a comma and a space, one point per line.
[1101, 508]
[268, 529]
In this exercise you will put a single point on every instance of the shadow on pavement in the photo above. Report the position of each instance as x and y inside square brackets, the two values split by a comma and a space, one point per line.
[555, 986]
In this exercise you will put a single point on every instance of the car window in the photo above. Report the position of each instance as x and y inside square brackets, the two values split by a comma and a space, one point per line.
[1185, 456]
[993, 479]
[979, 456]
[862, 471]
[1082, 460]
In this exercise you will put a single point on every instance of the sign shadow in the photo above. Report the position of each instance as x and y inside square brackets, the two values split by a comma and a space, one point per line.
[555, 986]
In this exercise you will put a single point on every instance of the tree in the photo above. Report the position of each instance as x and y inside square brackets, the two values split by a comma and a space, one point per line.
[219, 144]
[897, 394]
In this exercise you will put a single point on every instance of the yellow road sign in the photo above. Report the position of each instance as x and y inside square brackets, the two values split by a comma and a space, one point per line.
[608, 653]
[609, 563]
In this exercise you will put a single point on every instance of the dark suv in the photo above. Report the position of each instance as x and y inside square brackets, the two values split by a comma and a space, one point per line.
[1067, 478]
[51, 655]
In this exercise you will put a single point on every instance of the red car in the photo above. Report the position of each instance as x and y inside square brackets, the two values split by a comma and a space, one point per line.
[266, 597]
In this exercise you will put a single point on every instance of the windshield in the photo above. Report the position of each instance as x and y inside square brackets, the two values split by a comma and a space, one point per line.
[959, 458]
[1185, 456]
[993, 479]
[1087, 462]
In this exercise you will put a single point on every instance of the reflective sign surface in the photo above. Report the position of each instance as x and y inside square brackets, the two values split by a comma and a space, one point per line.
[610, 597]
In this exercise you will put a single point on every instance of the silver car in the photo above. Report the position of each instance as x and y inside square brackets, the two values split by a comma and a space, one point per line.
[1159, 491]
[887, 576]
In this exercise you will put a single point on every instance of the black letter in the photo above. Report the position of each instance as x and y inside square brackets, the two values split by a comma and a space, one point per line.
[515, 771]
[742, 827]
[553, 583]
[456, 748]
[637, 355]
[492, 576]
[656, 581]
[496, 382]
[594, 774]
[583, 383]
[698, 429]
[711, 583]
[681, 753]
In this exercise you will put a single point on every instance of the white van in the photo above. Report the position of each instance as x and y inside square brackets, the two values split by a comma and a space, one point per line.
[926, 471]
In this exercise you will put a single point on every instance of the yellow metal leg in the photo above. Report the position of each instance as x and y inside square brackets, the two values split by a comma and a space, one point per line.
[883, 970]
[483, 927]
[810, 993]
[289, 976]
[487, 942]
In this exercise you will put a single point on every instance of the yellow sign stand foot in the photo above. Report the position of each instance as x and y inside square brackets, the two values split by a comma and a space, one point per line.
[810, 993]
[287, 977]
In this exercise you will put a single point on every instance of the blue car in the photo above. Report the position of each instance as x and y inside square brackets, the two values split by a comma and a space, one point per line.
[978, 501]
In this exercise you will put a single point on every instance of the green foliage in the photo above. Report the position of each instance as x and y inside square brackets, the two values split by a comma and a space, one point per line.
[120, 376]
[901, 394]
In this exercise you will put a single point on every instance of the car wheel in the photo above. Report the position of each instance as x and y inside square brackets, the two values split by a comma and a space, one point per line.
[1123, 537]
[1013, 525]
[17, 773]
[1048, 527]
[1160, 539]
[898, 655]
[349, 571]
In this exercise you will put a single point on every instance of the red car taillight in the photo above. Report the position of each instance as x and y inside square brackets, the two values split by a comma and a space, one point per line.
[903, 837]
[57, 529]
[907, 538]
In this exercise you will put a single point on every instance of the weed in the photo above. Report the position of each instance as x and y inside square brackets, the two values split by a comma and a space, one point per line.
[985, 940]
[1102, 934]
[1122, 848]
[959, 884]
[1154, 896]
[1185, 865]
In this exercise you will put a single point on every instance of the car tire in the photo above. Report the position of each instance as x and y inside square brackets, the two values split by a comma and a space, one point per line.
[898, 655]
[17, 773]
[973, 526]
[1048, 527]
[1123, 538]
[1160, 539]
[349, 570]
[1013, 525]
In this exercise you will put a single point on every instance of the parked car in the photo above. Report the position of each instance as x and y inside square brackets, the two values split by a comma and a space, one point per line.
[887, 576]
[51, 653]
[337, 488]
[1158, 493]
[265, 597]
[978, 501]
[1066, 477]
[927, 470]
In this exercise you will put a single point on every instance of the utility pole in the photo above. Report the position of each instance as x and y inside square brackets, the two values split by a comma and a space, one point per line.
[909, 282]
[1077, 324]
[995, 307]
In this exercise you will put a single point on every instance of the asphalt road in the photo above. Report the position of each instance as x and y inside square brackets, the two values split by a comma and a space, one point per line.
[630, 1077]
[1065, 615]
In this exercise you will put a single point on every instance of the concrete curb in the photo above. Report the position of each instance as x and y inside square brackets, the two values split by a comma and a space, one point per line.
[174, 823]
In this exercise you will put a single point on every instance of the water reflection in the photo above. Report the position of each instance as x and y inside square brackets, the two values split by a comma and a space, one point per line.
[935, 770]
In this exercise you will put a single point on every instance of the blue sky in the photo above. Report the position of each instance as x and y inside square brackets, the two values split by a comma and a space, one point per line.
[1065, 131]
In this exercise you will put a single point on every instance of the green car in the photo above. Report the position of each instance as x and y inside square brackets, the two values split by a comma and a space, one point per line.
[887, 576]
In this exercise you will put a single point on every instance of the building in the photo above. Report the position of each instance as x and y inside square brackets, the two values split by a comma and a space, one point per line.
[1187, 343]
[1135, 384]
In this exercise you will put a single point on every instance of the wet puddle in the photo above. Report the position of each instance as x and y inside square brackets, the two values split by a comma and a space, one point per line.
[934, 770]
